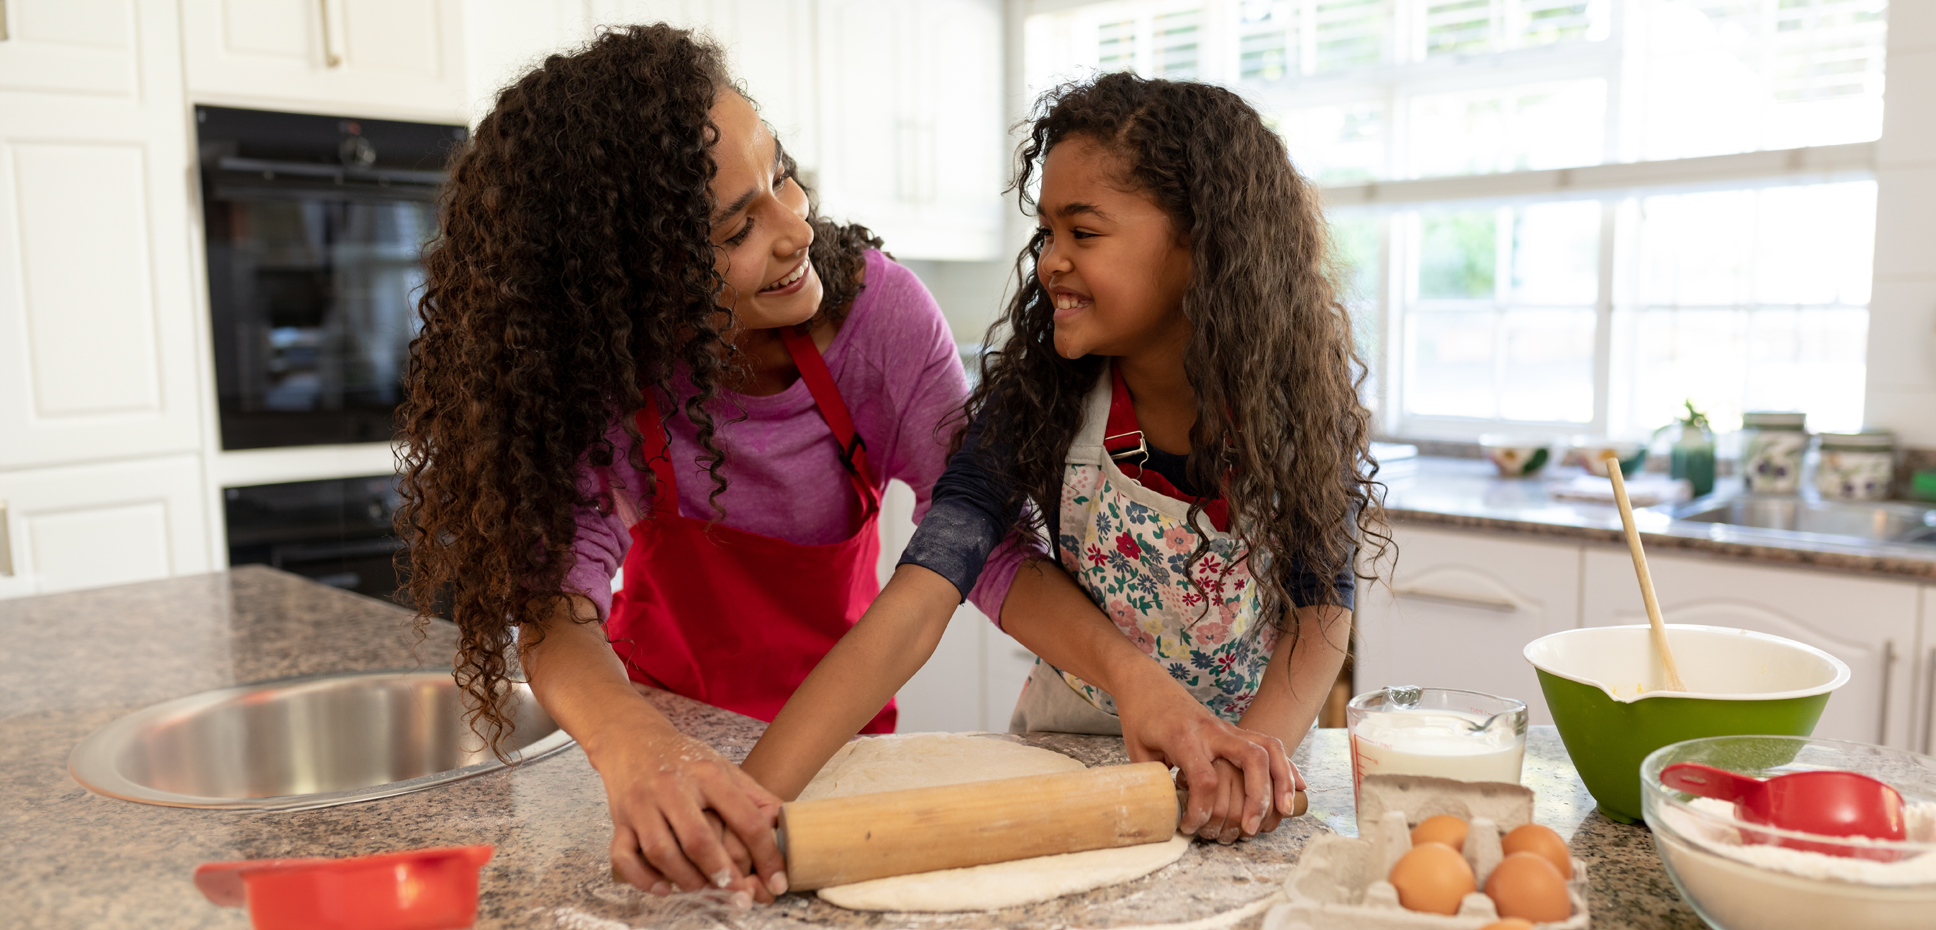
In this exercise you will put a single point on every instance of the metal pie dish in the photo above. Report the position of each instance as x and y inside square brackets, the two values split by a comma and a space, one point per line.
[304, 743]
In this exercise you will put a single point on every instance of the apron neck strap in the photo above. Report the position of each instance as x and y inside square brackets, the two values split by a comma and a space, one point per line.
[826, 397]
[1123, 437]
[820, 383]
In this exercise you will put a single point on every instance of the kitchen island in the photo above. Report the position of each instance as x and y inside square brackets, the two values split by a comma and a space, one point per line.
[74, 859]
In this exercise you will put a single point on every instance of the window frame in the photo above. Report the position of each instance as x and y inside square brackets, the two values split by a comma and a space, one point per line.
[1406, 72]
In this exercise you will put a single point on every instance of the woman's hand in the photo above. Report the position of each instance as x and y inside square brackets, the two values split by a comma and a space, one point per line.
[685, 818]
[1241, 781]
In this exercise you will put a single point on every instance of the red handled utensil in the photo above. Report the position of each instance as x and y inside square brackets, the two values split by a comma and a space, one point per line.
[1824, 803]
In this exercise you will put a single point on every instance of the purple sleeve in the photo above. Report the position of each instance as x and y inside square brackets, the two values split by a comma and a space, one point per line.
[603, 528]
[922, 377]
[991, 589]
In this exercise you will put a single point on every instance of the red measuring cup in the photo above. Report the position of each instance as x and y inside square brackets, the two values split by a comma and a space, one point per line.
[1824, 803]
[418, 889]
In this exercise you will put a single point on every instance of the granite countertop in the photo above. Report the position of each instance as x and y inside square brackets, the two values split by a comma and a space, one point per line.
[1468, 493]
[74, 859]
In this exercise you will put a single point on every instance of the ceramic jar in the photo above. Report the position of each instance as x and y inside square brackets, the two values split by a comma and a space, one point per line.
[1772, 445]
[1856, 466]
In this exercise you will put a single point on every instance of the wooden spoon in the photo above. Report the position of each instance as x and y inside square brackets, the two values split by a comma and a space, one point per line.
[1674, 682]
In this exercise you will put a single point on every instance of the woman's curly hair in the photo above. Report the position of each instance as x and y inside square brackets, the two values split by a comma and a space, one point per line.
[1280, 428]
[573, 269]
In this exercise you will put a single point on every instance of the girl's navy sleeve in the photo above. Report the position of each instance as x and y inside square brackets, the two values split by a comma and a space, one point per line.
[1307, 587]
[967, 517]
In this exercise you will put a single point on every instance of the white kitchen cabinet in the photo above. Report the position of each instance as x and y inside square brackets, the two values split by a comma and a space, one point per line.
[1460, 608]
[1925, 718]
[100, 347]
[912, 141]
[382, 58]
[506, 39]
[83, 526]
[893, 109]
[769, 46]
[1869, 623]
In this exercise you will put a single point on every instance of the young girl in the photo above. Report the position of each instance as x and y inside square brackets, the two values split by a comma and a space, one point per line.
[1174, 414]
[640, 347]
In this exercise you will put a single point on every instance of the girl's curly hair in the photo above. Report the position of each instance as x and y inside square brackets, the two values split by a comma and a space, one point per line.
[573, 269]
[1280, 428]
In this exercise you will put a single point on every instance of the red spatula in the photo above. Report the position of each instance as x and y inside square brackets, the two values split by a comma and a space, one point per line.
[1824, 803]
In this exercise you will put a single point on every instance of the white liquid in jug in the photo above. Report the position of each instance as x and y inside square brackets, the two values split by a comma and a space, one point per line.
[1435, 742]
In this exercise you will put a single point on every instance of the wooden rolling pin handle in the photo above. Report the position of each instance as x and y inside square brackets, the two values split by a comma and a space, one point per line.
[1300, 803]
[837, 841]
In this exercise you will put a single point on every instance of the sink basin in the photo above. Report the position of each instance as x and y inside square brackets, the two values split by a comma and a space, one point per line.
[1867, 521]
[304, 743]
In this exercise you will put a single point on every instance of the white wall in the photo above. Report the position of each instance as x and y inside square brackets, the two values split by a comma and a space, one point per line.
[1901, 392]
[971, 294]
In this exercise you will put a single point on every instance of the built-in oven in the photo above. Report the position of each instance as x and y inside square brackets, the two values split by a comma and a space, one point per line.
[315, 231]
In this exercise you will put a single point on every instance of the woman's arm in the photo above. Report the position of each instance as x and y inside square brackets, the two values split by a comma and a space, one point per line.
[1049, 614]
[855, 680]
[662, 786]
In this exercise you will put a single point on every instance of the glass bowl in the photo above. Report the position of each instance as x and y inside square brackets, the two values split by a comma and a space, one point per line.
[1762, 886]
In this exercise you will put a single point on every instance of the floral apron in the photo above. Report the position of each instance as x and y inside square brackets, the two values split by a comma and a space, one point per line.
[1126, 546]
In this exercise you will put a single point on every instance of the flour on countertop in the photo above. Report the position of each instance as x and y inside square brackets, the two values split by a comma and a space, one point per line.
[1919, 818]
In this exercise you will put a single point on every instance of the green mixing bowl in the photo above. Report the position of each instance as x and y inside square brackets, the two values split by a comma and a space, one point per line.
[1603, 686]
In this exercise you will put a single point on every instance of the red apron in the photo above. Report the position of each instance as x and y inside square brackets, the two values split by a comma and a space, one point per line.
[733, 618]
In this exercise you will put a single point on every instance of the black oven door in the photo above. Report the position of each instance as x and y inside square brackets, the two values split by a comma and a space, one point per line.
[312, 293]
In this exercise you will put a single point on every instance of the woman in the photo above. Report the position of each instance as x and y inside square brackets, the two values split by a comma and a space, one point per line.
[641, 346]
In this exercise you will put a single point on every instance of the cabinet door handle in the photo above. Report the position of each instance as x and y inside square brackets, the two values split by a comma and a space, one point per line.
[1929, 704]
[1888, 673]
[6, 529]
[330, 57]
[3, 21]
[1457, 600]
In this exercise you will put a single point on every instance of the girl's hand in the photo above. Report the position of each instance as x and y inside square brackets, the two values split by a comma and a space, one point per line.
[1236, 777]
[685, 818]
[1230, 785]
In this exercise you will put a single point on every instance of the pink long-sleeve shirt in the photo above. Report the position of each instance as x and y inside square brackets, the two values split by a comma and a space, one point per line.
[899, 372]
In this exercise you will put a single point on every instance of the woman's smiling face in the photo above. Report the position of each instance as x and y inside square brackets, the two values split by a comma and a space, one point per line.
[1112, 260]
[760, 232]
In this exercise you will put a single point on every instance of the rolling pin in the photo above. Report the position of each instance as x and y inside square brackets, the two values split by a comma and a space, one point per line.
[836, 841]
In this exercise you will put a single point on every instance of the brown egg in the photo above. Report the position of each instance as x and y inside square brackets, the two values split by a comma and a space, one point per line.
[1526, 885]
[1433, 877]
[1542, 842]
[1510, 923]
[1444, 828]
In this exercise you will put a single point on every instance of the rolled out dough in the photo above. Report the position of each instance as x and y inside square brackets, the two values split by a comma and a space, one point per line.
[926, 760]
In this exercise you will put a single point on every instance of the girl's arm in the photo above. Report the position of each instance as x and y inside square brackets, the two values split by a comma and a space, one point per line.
[855, 680]
[664, 788]
[1297, 681]
[1234, 774]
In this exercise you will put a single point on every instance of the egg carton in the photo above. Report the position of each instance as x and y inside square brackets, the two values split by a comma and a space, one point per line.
[1339, 882]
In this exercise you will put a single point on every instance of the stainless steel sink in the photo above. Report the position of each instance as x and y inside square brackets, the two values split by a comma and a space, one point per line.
[1869, 521]
[303, 743]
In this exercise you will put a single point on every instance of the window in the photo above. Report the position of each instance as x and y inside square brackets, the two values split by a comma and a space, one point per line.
[1553, 211]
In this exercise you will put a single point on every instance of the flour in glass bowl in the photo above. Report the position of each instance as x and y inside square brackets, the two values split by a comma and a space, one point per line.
[1919, 819]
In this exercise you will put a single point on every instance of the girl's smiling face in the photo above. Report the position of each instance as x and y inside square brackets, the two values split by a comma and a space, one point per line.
[1112, 260]
[760, 232]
